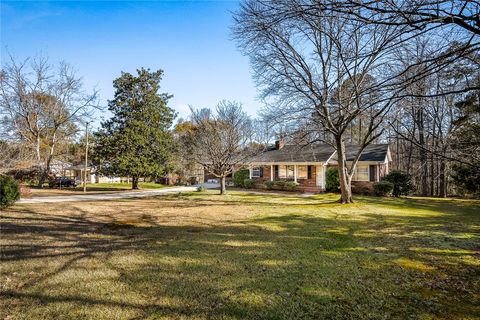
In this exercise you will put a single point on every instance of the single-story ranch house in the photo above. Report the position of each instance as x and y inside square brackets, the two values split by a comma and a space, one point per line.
[307, 165]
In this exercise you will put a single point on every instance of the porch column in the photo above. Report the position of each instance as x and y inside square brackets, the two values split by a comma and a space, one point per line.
[320, 172]
[250, 172]
[295, 173]
[271, 172]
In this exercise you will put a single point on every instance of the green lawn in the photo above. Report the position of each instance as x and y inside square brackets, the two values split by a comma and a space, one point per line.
[203, 256]
[120, 186]
[93, 188]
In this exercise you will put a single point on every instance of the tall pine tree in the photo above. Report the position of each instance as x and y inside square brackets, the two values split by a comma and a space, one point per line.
[137, 140]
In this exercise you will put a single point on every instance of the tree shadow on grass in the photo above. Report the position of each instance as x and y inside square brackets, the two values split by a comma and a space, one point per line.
[445, 206]
[286, 266]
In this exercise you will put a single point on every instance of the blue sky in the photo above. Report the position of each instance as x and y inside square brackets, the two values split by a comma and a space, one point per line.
[190, 41]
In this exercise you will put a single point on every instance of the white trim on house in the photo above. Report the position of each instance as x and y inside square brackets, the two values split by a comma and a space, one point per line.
[320, 176]
[285, 163]
[329, 158]
[356, 171]
[253, 172]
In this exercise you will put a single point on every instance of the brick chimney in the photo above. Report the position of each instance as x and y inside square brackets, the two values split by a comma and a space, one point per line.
[279, 144]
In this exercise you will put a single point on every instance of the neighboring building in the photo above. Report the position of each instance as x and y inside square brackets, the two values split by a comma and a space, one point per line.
[307, 165]
[77, 172]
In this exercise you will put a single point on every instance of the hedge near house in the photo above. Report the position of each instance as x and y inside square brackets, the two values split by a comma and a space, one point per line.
[269, 184]
[402, 183]
[332, 182]
[291, 186]
[239, 177]
[383, 188]
[248, 183]
[9, 191]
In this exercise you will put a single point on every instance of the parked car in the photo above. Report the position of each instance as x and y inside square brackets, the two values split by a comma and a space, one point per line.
[62, 182]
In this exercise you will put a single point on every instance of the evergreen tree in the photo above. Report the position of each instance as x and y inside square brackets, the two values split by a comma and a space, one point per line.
[466, 145]
[137, 140]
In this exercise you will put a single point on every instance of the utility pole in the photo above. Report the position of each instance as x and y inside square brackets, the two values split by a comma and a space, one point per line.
[86, 158]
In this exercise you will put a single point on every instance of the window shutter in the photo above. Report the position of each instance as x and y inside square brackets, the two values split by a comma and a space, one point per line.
[373, 172]
[309, 172]
[261, 172]
[275, 172]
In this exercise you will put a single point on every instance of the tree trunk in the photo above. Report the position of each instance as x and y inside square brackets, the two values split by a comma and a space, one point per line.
[443, 182]
[432, 176]
[423, 155]
[45, 172]
[43, 178]
[345, 180]
[223, 189]
[134, 183]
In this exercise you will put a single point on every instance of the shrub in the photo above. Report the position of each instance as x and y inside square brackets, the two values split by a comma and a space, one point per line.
[200, 188]
[9, 191]
[280, 184]
[248, 183]
[239, 177]
[383, 188]
[402, 183]
[291, 185]
[332, 182]
[269, 185]
[25, 176]
[466, 179]
[362, 188]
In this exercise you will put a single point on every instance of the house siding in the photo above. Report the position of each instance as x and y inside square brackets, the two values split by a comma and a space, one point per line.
[305, 185]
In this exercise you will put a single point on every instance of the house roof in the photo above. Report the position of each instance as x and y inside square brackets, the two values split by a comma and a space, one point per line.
[297, 153]
[373, 152]
[78, 167]
[320, 153]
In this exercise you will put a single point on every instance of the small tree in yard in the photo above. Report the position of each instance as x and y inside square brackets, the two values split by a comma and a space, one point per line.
[9, 191]
[220, 140]
[136, 141]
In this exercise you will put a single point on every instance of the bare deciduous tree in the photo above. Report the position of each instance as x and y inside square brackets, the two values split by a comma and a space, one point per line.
[323, 74]
[417, 15]
[329, 74]
[13, 155]
[219, 140]
[41, 106]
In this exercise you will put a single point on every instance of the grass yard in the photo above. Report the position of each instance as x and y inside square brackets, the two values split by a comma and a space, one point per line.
[93, 188]
[121, 186]
[203, 256]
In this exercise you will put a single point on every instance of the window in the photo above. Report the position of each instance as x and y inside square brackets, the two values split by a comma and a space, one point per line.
[257, 172]
[285, 172]
[282, 172]
[302, 172]
[361, 173]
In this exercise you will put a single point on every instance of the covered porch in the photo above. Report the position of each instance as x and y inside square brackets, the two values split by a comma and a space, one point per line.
[309, 176]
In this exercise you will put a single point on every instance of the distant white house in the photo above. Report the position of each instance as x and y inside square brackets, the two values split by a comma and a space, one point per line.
[77, 172]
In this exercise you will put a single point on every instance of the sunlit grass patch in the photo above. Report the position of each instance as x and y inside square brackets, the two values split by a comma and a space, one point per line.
[414, 264]
[200, 255]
